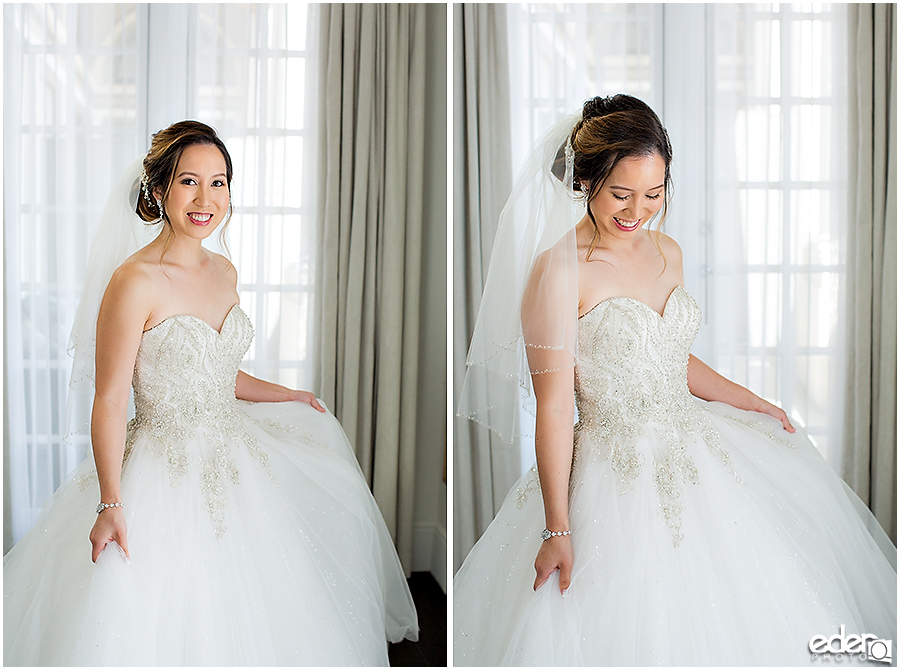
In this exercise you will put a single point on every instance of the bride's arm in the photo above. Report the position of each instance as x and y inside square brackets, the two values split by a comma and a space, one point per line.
[248, 387]
[553, 440]
[549, 310]
[120, 323]
[706, 383]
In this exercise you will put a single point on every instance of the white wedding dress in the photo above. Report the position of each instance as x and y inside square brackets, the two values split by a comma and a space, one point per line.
[253, 537]
[703, 534]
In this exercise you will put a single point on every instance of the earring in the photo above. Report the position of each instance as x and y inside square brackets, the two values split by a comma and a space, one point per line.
[159, 208]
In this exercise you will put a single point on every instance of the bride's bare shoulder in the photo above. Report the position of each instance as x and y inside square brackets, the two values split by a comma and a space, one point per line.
[667, 243]
[673, 261]
[129, 296]
[142, 260]
[553, 275]
[135, 277]
[222, 268]
[223, 263]
[555, 264]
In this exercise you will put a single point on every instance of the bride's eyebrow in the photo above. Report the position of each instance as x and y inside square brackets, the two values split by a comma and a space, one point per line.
[631, 190]
[194, 174]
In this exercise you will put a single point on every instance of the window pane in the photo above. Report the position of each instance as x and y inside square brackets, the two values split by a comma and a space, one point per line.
[811, 143]
[814, 240]
[762, 225]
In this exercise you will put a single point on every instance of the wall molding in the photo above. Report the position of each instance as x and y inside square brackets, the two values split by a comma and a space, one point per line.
[430, 551]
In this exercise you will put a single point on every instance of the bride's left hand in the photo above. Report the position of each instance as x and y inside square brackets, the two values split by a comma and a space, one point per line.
[764, 407]
[309, 399]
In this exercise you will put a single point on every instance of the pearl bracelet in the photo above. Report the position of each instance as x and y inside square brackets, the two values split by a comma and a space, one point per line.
[546, 534]
[102, 506]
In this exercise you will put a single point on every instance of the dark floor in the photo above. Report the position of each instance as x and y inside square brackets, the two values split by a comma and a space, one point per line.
[431, 605]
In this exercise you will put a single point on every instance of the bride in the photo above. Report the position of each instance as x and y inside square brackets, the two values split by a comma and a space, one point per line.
[685, 521]
[229, 522]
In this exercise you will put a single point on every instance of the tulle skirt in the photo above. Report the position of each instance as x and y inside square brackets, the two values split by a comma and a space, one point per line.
[774, 552]
[302, 570]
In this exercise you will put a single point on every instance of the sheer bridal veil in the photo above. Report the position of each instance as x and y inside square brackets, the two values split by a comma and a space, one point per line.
[119, 234]
[527, 321]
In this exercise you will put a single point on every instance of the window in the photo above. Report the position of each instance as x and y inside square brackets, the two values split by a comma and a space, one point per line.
[779, 95]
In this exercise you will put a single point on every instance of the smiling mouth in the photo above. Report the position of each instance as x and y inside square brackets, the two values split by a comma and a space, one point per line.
[200, 218]
[626, 225]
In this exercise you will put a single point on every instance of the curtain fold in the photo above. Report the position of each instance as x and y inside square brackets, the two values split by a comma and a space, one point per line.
[371, 160]
[482, 475]
[7, 495]
[870, 463]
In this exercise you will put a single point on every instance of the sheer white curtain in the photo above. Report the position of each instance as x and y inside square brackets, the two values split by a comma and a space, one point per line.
[778, 218]
[85, 85]
[70, 122]
[753, 97]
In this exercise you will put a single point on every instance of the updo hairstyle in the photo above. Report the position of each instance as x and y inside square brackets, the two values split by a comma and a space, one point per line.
[162, 159]
[610, 129]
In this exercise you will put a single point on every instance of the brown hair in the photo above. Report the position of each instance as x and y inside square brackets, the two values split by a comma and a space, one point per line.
[610, 129]
[162, 159]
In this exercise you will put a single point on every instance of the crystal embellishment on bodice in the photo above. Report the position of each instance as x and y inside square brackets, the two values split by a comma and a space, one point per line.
[631, 377]
[184, 400]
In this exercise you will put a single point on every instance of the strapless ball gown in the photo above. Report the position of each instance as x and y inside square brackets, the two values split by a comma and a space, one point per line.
[253, 537]
[703, 534]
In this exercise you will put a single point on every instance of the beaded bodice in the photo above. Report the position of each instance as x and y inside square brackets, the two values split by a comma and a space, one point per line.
[631, 378]
[185, 371]
[184, 377]
[632, 363]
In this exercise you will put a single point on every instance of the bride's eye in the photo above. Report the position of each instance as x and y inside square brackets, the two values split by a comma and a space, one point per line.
[187, 181]
[218, 183]
[620, 197]
[654, 197]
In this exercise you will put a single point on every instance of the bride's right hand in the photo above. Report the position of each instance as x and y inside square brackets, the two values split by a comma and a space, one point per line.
[109, 527]
[555, 554]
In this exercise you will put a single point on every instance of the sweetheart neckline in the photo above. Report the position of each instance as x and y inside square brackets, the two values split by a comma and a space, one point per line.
[196, 318]
[661, 315]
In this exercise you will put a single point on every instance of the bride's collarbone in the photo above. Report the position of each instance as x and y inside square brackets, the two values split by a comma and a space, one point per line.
[208, 301]
[597, 285]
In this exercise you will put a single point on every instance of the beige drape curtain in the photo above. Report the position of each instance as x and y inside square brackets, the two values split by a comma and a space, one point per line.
[870, 463]
[7, 498]
[482, 476]
[371, 161]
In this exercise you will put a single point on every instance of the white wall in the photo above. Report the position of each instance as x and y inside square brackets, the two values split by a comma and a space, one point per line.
[430, 521]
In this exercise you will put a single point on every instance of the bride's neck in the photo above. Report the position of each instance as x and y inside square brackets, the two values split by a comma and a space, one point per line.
[180, 250]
